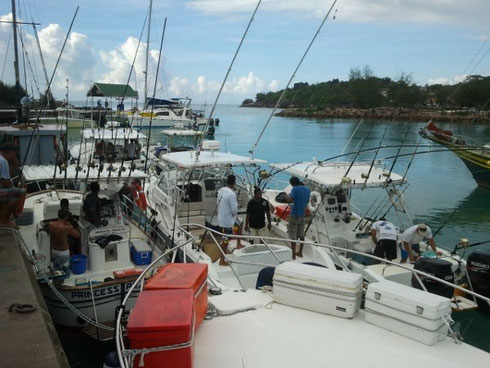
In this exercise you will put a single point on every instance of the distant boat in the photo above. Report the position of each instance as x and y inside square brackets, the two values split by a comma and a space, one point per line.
[475, 156]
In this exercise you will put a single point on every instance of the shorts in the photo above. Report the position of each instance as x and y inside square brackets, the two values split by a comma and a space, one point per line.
[386, 248]
[259, 232]
[415, 249]
[226, 230]
[9, 194]
[61, 259]
[296, 227]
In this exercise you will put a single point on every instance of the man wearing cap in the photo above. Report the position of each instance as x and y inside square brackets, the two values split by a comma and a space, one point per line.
[411, 238]
[257, 209]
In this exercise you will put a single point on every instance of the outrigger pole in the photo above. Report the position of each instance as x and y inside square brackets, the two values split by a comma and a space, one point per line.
[374, 158]
[359, 151]
[252, 150]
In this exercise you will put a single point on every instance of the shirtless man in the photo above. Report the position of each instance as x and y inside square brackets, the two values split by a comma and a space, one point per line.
[59, 231]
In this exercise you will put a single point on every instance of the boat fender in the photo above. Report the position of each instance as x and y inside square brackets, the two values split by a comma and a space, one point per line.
[139, 196]
[315, 200]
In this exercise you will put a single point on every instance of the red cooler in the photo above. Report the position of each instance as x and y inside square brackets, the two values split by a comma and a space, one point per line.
[184, 276]
[161, 318]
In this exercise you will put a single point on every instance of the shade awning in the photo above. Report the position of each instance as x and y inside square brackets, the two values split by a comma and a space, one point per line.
[111, 90]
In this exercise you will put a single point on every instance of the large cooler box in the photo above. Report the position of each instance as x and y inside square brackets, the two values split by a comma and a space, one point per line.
[162, 318]
[184, 276]
[408, 311]
[318, 289]
[141, 253]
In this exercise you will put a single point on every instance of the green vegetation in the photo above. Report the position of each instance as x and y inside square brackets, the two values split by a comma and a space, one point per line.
[9, 96]
[365, 90]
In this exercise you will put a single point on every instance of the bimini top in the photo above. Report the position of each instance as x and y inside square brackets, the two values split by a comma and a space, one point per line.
[333, 174]
[41, 130]
[108, 134]
[46, 173]
[187, 159]
[182, 132]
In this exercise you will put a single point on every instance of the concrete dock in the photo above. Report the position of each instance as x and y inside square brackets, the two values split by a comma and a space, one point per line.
[27, 339]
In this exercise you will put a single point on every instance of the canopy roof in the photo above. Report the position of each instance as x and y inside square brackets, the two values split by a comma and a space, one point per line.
[45, 172]
[332, 175]
[187, 159]
[182, 132]
[111, 90]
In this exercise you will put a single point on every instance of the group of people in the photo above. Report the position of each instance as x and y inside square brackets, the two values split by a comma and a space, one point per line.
[258, 210]
[384, 234]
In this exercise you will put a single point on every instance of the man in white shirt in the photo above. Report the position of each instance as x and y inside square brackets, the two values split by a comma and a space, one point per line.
[227, 212]
[384, 235]
[411, 238]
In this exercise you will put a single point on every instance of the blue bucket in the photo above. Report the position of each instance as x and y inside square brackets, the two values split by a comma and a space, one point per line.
[78, 263]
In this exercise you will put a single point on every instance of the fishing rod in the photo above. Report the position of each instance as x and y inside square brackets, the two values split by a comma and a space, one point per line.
[47, 92]
[397, 153]
[411, 159]
[367, 211]
[456, 248]
[351, 136]
[78, 168]
[199, 148]
[252, 150]
[444, 223]
[364, 139]
[374, 158]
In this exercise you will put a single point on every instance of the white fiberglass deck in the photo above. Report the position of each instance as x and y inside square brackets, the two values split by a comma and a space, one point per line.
[286, 337]
[332, 174]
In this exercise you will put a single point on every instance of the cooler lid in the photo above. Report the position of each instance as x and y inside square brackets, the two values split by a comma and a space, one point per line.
[140, 245]
[163, 310]
[179, 276]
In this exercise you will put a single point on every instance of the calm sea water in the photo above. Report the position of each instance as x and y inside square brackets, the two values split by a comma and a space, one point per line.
[441, 186]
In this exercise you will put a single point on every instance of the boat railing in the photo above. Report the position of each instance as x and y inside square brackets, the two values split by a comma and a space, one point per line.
[335, 250]
[126, 356]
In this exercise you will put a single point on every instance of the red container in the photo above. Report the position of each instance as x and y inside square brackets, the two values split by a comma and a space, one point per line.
[284, 210]
[184, 276]
[161, 318]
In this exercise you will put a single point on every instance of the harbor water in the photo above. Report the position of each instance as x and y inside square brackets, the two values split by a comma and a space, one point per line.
[441, 188]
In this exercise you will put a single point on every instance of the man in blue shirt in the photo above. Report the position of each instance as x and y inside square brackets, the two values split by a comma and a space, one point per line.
[299, 197]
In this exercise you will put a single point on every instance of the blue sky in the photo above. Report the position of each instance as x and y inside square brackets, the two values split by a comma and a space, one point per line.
[434, 41]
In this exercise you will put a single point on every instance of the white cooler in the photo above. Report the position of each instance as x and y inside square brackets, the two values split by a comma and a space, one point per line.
[318, 289]
[408, 311]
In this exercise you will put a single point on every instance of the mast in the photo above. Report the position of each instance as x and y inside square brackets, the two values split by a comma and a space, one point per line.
[145, 105]
[16, 60]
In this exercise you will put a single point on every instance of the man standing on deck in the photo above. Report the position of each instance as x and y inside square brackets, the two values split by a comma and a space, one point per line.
[299, 197]
[384, 235]
[257, 209]
[58, 234]
[227, 214]
[10, 197]
[92, 207]
[411, 239]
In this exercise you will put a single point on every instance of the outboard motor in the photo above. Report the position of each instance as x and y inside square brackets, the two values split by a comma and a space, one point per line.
[478, 266]
[436, 267]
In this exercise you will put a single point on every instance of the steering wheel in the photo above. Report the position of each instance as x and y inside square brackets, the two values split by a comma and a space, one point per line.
[104, 222]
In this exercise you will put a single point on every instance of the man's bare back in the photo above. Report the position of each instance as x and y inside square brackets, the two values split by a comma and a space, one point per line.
[59, 231]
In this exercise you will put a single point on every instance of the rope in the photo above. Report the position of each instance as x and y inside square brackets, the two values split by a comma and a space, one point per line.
[22, 308]
[52, 287]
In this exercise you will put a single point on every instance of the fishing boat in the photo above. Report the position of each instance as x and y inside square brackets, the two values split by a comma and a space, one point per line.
[475, 156]
[110, 145]
[160, 113]
[107, 259]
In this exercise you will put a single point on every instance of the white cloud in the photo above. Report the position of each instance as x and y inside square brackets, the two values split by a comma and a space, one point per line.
[447, 80]
[274, 86]
[414, 11]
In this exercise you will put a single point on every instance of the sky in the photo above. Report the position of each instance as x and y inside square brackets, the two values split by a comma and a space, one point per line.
[436, 41]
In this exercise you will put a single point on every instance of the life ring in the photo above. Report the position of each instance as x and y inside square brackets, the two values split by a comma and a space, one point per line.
[139, 196]
[315, 200]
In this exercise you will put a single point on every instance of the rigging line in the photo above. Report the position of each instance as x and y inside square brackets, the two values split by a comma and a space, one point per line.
[411, 159]
[397, 153]
[351, 136]
[367, 211]
[6, 53]
[48, 89]
[225, 79]
[445, 222]
[26, 57]
[252, 150]
[147, 52]
[475, 55]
